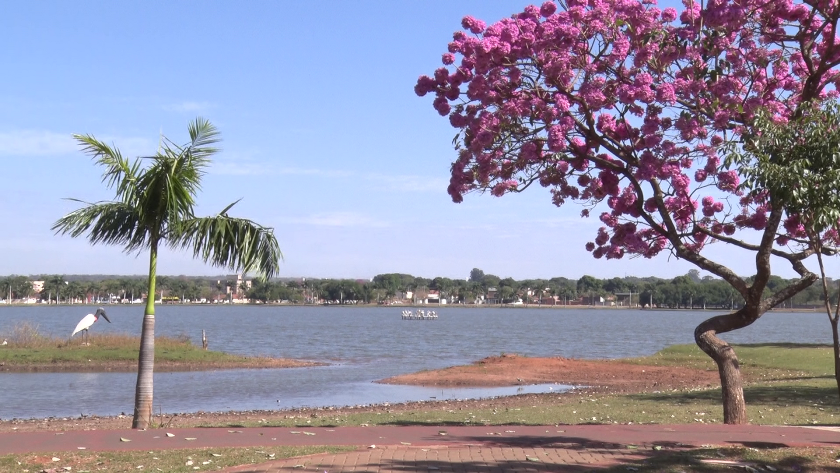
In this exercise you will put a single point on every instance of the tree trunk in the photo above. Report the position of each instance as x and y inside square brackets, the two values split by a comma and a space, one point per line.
[144, 392]
[731, 383]
[836, 339]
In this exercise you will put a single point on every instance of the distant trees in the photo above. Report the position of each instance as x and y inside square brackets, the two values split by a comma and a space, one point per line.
[267, 291]
[680, 292]
[19, 286]
[53, 287]
[589, 287]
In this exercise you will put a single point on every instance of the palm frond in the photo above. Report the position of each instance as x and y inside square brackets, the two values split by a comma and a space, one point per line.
[225, 210]
[186, 164]
[111, 223]
[203, 134]
[234, 243]
[119, 171]
[195, 154]
[166, 191]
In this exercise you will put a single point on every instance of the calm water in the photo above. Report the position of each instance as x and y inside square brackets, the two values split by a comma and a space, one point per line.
[361, 345]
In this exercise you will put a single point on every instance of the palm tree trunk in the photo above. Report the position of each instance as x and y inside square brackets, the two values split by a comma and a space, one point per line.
[146, 365]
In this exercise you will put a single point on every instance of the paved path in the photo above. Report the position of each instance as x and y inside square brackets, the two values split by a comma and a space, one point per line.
[572, 448]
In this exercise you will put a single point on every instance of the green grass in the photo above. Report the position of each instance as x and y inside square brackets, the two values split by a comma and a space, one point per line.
[162, 460]
[112, 348]
[798, 403]
[28, 347]
[799, 359]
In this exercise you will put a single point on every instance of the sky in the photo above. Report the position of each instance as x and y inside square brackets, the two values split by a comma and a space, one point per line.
[324, 138]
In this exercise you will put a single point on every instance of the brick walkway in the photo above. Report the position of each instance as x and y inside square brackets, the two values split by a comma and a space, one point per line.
[469, 459]
[478, 449]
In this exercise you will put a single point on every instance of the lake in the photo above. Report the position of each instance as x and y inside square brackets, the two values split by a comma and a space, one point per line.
[361, 345]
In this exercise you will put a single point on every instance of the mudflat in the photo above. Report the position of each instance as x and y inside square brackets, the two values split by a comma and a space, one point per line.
[612, 376]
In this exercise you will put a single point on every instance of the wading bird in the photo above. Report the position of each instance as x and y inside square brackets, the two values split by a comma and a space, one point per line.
[87, 321]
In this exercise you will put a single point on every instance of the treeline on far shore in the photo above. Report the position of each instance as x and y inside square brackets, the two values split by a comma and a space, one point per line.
[687, 291]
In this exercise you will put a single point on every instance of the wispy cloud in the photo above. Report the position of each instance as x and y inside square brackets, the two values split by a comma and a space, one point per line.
[254, 167]
[50, 143]
[338, 219]
[248, 166]
[238, 168]
[408, 183]
[566, 222]
[314, 172]
[131, 147]
[189, 107]
[36, 143]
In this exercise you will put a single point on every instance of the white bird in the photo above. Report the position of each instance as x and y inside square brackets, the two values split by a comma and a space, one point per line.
[5, 342]
[87, 321]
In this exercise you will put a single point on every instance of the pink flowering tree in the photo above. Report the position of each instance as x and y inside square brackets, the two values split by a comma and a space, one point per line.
[627, 109]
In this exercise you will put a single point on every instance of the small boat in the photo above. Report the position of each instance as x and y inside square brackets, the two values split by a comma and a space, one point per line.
[419, 315]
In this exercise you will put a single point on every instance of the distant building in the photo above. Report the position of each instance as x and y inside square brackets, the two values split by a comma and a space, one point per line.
[37, 286]
[492, 296]
[234, 285]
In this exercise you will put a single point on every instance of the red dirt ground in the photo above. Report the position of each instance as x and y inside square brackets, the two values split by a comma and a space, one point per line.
[610, 375]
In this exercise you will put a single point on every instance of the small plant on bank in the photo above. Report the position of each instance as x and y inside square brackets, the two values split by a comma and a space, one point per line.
[26, 334]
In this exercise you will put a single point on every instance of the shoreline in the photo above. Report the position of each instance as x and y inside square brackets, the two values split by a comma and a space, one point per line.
[302, 413]
[586, 378]
[428, 306]
[130, 366]
[590, 378]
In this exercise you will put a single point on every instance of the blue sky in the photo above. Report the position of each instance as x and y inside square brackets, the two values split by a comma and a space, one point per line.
[324, 138]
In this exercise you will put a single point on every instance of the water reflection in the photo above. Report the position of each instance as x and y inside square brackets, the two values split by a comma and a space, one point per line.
[76, 394]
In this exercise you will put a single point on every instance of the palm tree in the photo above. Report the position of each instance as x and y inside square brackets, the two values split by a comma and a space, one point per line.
[153, 206]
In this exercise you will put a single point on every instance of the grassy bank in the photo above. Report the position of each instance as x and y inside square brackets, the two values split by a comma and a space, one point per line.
[29, 350]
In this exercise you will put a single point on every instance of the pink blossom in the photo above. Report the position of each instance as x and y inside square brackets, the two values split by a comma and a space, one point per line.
[502, 187]
[602, 237]
[728, 180]
[442, 105]
[475, 26]
[425, 84]
[547, 9]
[561, 95]
[441, 75]
[556, 138]
[793, 225]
